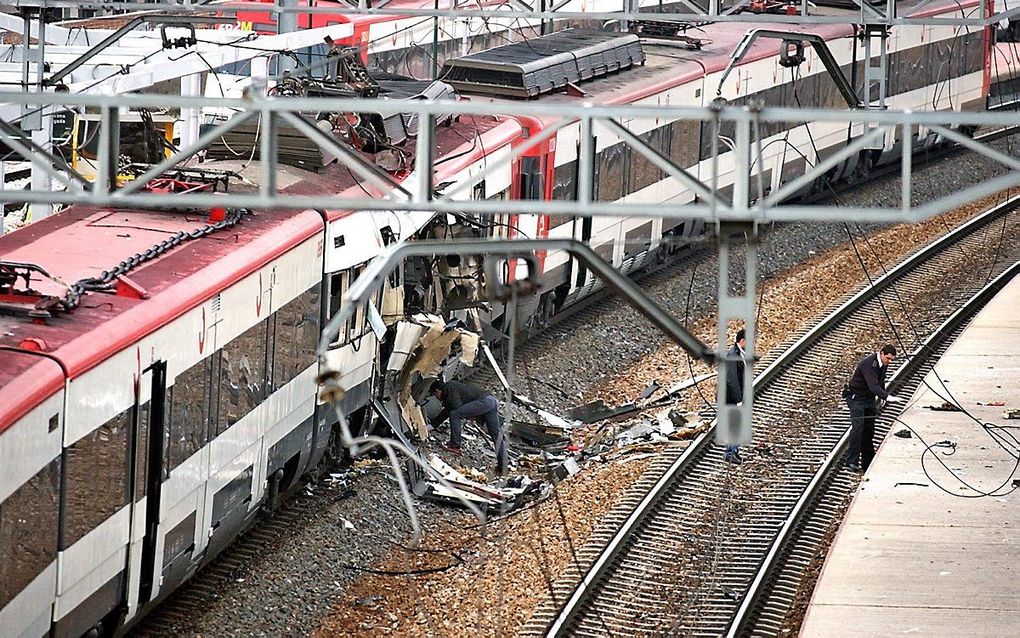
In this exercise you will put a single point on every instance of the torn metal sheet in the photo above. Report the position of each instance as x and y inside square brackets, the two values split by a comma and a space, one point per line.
[421, 347]
[569, 467]
[495, 366]
[440, 490]
[468, 347]
[408, 336]
[556, 421]
[389, 412]
[598, 411]
[393, 305]
[533, 435]
[411, 411]
[461, 486]
[435, 348]
[375, 320]
[649, 390]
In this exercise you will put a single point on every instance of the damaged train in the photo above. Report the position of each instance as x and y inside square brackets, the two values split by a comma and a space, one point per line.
[158, 369]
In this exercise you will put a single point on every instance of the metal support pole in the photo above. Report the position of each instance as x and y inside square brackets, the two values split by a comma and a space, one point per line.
[26, 55]
[3, 208]
[108, 156]
[41, 180]
[41, 125]
[435, 44]
[259, 75]
[742, 166]
[191, 86]
[875, 76]
[424, 166]
[734, 421]
[585, 163]
[267, 150]
[287, 22]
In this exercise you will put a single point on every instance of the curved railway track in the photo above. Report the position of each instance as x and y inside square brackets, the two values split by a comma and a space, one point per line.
[687, 556]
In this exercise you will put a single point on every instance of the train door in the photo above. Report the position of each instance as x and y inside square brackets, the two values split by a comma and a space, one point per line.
[147, 463]
[582, 224]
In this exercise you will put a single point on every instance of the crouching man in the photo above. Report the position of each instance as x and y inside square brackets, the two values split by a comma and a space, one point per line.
[465, 401]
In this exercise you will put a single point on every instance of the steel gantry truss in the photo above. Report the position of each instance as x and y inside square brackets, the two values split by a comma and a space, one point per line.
[867, 12]
[423, 193]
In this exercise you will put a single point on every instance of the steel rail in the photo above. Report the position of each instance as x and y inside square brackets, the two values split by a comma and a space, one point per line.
[753, 598]
[688, 459]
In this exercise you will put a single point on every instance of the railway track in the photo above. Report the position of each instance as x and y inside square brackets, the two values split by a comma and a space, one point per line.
[711, 548]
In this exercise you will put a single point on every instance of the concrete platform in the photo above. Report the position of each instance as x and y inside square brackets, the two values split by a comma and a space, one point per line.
[912, 559]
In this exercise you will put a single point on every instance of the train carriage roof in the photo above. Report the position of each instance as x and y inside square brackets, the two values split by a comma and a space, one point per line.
[672, 63]
[82, 242]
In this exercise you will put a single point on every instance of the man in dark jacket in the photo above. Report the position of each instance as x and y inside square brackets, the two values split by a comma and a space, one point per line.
[735, 387]
[465, 401]
[866, 387]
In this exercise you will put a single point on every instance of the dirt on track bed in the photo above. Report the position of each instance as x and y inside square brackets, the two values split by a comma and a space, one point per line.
[786, 303]
[506, 572]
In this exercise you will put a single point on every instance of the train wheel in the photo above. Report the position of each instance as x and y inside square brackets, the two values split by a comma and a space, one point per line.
[862, 172]
[662, 252]
[546, 310]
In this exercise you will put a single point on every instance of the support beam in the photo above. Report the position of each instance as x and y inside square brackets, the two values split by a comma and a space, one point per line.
[734, 421]
[191, 86]
[287, 23]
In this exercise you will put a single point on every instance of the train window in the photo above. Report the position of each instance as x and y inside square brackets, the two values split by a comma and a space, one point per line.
[297, 336]
[142, 448]
[357, 323]
[643, 172]
[975, 57]
[555, 221]
[565, 181]
[338, 285]
[29, 523]
[95, 478]
[188, 421]
[610, 173]
[685, 142]
[242, 375]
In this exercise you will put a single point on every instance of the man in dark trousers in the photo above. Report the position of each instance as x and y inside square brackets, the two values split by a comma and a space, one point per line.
[735, 387]
[465, 401]
[866, 387]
